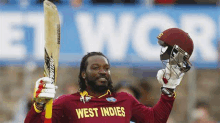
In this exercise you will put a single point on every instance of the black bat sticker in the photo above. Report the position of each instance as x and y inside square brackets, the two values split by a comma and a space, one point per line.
[50, 67]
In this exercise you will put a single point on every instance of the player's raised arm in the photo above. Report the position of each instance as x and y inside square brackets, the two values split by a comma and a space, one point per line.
[44, 91]
[177, 47]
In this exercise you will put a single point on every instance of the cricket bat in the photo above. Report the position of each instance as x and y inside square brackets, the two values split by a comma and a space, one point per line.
[51, 49]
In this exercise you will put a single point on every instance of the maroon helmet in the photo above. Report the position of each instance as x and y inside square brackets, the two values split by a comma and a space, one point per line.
[179, 48]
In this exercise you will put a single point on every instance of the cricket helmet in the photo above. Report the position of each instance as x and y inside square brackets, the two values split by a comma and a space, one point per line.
[178, 48]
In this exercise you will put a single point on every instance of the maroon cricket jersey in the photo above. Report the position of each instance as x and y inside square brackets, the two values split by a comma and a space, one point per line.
[111, 108]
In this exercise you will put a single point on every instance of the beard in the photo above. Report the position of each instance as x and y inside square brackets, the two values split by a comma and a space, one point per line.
[98, 88]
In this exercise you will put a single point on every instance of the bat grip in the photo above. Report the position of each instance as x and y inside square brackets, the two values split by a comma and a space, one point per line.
[48, 111]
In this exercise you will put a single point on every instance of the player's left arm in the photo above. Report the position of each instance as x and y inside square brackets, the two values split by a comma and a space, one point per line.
[157, 114]
[161, 111]
[170, 78]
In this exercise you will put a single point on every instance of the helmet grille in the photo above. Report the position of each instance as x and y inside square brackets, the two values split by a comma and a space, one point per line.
[176, 56]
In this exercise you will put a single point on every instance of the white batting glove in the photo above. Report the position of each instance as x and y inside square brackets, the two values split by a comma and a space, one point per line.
[44, 89]
[170, 77]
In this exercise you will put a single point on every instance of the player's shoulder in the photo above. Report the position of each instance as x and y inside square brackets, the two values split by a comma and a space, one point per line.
[68, 96]
[124, 95]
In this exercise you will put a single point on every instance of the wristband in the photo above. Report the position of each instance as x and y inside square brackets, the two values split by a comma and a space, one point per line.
[168, 91]
[38, 107]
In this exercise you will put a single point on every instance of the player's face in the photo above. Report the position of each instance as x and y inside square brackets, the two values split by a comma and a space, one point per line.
[98, 73]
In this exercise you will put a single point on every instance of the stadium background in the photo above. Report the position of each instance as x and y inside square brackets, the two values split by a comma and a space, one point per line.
[126, 33]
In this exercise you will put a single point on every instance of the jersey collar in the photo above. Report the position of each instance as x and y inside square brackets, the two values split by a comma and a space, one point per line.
[85, 93]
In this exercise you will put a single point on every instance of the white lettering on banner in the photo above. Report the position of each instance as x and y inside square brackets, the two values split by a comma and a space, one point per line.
[36, 20]
[91, 41]
[107, 30]
[119, 38]
[11, 34]
[203, 38]
[115, 35]
[141, 35]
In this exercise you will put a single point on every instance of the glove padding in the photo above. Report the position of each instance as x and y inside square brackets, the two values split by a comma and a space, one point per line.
[44, 89]
[170, 77]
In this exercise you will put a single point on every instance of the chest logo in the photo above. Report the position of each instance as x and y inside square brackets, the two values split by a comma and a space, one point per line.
[111, 99]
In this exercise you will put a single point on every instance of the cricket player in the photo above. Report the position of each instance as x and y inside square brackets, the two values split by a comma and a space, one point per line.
[96, 101]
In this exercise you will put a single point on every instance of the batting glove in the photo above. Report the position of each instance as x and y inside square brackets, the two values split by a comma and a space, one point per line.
[170, 77]
[44, 91]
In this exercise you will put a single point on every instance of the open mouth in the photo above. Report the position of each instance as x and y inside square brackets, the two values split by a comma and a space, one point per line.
[102, 80]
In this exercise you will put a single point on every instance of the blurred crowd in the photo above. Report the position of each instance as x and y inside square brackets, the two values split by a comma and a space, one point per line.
[78, 3]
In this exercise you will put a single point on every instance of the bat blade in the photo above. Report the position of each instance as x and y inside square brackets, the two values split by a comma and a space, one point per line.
[51, 48]
[52, 40]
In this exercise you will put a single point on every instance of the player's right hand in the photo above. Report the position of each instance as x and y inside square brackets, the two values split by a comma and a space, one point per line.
[170, 78]
[44, 90]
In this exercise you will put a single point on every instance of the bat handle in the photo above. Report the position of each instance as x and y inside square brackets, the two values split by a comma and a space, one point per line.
[48, 111]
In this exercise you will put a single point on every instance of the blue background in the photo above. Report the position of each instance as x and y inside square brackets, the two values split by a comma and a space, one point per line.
[70, 41]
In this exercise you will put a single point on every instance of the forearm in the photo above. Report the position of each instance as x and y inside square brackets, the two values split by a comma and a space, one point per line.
[33, 116]
[163, 108]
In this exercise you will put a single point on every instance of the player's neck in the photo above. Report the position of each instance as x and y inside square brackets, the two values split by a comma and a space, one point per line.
[94, 93]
